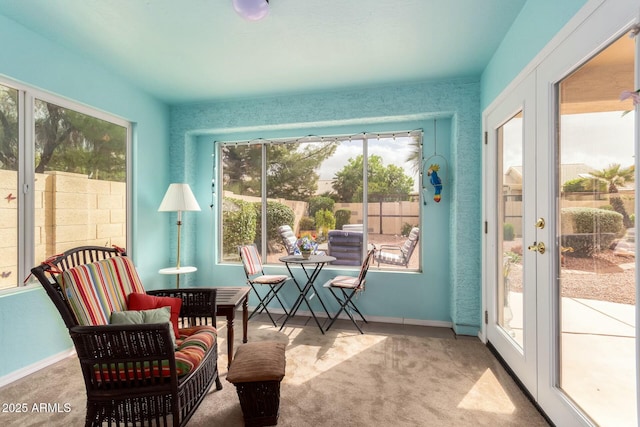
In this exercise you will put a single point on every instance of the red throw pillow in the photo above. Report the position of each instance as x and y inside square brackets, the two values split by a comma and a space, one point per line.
[139, 301]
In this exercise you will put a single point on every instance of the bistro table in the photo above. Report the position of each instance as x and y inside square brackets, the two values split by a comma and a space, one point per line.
[314, 264]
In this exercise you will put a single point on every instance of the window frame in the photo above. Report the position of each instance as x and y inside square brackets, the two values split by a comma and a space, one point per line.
[218, 196]
[26, 172]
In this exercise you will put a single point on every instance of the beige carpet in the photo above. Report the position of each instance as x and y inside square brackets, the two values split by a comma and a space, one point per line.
[412, 376]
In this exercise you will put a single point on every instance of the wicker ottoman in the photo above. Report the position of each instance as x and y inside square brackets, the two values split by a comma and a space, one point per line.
[256, 371]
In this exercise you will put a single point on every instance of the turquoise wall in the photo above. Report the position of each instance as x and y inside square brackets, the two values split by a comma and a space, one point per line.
[448, 289]
[537, 23]
[28, 321]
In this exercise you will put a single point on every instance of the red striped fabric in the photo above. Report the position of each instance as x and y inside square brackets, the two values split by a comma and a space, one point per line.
[251, 259]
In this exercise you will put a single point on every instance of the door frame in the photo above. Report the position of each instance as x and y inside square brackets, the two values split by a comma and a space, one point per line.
[521, 360]
[595, 26]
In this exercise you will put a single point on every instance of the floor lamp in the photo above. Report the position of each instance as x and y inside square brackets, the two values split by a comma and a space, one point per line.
[178, 198]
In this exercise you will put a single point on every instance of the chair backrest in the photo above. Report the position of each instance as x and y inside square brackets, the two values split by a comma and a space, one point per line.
[288, 238]
[346, 246]
[410, 244]
[365, 266]
[55, 275]
[251, 260]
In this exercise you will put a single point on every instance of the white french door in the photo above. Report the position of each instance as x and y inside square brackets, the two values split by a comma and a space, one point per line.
[511, 226]
[560, 201]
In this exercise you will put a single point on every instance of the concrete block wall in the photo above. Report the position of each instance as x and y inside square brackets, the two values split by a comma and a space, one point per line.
[70, 210]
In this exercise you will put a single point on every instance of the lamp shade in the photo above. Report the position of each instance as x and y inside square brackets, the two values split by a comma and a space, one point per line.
[179, 198]
[252, 10]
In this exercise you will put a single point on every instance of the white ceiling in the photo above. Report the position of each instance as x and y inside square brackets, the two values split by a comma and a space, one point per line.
[196, 50]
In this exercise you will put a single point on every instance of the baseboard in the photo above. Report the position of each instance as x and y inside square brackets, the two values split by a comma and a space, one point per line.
[41, 364]
[379, 319]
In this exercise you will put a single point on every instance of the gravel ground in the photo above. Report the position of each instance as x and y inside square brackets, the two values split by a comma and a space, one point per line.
[604, 277]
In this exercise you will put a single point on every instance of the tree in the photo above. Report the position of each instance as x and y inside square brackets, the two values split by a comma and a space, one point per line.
[384, 183]
[65, 140]
[8, 128]
[616, 176]
[291, 168]
[70, 141]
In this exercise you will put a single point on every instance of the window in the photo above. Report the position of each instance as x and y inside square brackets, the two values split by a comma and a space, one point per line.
[71, 164]
[317, 186]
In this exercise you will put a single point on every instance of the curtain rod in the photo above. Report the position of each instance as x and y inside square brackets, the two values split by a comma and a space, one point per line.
[317, 138]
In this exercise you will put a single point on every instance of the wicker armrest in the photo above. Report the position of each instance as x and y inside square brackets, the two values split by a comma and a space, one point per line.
[123, 342]
[198, 304]
[114, 355]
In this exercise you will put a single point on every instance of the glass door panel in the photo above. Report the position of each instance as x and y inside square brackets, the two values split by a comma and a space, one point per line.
[596, 254]
[511, 281]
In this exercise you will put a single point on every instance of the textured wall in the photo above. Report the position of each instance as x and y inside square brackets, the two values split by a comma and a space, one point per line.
[378, 109]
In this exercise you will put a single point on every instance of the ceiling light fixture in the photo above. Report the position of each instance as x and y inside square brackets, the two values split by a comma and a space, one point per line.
[252, 10]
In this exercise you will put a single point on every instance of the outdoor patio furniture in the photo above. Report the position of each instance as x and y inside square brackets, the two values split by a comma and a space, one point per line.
[345, 288]
[399, 255]
[288, 239]
[152, 373]
[345, 246]
[257, 279]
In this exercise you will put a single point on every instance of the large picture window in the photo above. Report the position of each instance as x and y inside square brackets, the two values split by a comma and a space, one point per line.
[349, 193]
[63, 170]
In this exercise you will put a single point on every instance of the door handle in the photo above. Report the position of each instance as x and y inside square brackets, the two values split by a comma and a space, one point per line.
[538, 247]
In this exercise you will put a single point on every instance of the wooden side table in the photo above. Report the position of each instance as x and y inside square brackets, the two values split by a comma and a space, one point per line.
[228, 299]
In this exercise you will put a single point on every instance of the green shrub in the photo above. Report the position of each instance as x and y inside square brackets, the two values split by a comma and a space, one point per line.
[239, 224]
[343, 216]
[307, 223]
[508, 233]
[277, 215]
[325, 221]
[319, 203]
[406, 229]
[576, 185]
[593, 229]
[586, 244]
[593, 220]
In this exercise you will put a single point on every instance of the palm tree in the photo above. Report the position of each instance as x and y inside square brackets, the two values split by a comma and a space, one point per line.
[616, 176]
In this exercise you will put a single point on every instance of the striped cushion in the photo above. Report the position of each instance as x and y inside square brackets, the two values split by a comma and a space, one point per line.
[390, 258]
[95, 290]
[193, 344]
[251, 259]
[344, 282]
[270, 279]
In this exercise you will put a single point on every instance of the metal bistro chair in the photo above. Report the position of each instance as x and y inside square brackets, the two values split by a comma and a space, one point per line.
[399, 255]
[255, 276]
[344, 288]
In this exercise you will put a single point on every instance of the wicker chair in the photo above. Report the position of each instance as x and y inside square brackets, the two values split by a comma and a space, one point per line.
[130, 371]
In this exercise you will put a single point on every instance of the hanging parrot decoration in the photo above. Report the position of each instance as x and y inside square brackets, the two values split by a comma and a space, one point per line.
[435, 180]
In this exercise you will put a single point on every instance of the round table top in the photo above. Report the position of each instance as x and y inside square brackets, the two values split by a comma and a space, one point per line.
[175, 270]
[313, 259]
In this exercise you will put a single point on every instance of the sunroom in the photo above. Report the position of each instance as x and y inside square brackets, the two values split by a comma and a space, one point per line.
[196, 94]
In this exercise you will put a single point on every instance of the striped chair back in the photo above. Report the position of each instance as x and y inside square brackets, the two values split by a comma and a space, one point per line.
[251, 259]
[96, 289]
